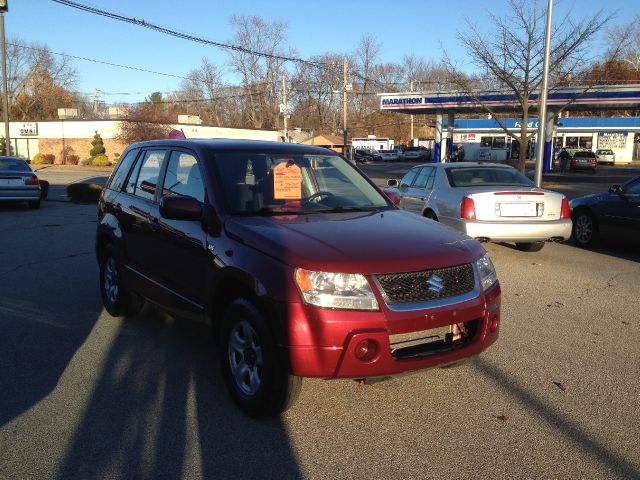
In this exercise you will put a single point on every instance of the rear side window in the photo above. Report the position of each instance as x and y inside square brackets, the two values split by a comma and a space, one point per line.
[183, 177]
[144, 178]
[425, 178]
[122, 170]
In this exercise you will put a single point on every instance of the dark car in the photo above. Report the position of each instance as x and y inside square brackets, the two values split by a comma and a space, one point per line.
[615, 214]
[284, 249]
[18, 183]
[584, 160]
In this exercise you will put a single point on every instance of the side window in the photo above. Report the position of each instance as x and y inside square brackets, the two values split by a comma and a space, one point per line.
[424, 178]
[183, 177]
[143, 179]
[407, 180]
[122, 170]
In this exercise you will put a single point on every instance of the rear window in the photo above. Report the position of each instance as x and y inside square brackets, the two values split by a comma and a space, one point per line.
[486, 176]
[584, 154]
[14, 165]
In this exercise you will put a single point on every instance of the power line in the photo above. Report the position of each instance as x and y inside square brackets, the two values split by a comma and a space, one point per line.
[185, 36]
[99, 61]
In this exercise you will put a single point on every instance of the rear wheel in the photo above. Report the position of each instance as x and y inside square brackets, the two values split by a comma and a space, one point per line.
[585, 229]
[530, 246]
[431, 215]
[254, 372]
[117, 300]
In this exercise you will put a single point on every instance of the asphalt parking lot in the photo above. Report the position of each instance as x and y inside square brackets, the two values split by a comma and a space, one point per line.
[84, 395]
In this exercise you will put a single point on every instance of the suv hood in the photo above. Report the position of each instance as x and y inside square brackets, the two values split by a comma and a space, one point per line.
[356, 242]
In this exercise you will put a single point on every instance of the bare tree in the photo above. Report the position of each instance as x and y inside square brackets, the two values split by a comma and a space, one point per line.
[364, 61]
[627, 39]
[260, 73]
[510, 58]
[145, 121]
[38, 82]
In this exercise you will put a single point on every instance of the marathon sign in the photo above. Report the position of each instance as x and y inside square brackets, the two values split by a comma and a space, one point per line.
[612, 140]
[402, 102]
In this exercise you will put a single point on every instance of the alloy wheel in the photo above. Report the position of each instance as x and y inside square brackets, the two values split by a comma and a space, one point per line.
[245, 358]
[584, 229]
[111, 281]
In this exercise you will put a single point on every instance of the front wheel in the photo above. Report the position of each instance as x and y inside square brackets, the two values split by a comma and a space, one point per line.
[254, 372]
[585, 229]
[530, 246]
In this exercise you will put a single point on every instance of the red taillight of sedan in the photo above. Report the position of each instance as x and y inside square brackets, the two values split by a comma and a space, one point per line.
[565, 211]
[33, 180]
[468, 209]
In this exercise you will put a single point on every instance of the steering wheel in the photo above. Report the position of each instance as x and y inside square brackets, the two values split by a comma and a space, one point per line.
[319, 194]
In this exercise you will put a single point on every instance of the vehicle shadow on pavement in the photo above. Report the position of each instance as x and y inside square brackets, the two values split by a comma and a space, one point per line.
[160, 410]
[620, 249]
[570, 429]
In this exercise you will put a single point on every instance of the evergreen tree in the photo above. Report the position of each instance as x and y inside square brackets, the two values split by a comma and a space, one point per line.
[98, 145]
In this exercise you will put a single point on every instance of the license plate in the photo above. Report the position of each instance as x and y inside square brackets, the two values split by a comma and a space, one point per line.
[10, 182]
[527, 209]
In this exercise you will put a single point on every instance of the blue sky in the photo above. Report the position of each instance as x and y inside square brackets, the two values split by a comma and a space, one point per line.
[401, 26]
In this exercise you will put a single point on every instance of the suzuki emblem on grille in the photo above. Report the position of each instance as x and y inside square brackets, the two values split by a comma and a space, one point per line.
[435, 283]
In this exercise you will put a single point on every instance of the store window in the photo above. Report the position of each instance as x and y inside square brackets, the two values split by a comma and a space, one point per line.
[572, 142]
[499, 142]
[485, 141]
[585, 142]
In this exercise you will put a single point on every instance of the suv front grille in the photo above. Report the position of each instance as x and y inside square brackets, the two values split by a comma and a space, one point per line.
[427, 285]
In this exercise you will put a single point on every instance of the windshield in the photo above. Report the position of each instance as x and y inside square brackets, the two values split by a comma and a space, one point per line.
[256, 183]
[486, 176]
[604, 152]
[14, 165]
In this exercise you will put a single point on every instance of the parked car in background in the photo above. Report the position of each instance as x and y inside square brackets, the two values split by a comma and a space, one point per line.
[488, 202]
[362, 156]
[391, 155]
[279, 246]
[612, 214]
[417, 154]
[605, 155]
[584, 160]
[18, 182]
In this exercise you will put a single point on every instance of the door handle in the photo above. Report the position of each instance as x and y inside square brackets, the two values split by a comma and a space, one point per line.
[422, 199]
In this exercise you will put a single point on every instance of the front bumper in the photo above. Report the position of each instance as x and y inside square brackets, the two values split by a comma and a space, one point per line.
[322, 342]
[519, 231]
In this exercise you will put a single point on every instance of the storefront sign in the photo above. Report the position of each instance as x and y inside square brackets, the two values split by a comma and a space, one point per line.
[612, 140]
[29, 129]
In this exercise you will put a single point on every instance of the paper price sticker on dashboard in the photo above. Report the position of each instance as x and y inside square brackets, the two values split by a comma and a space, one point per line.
[287, 182]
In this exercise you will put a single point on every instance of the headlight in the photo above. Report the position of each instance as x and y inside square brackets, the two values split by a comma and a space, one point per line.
[486, 271]
[335, 290]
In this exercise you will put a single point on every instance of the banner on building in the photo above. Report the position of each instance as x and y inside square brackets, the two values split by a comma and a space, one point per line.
[612, 140]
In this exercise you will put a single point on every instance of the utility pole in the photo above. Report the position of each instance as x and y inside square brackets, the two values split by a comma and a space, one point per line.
[284, 107]
[344, 109]
[411, 139]
[4, 7]
[542, 111]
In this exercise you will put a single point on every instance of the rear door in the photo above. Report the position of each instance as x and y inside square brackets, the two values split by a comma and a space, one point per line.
[619, 215]
[420, 190]
[139, 213]
[404, 187]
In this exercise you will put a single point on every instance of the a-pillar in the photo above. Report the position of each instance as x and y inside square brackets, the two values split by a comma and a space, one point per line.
[450, 126]
[437, 148]
[547, 155]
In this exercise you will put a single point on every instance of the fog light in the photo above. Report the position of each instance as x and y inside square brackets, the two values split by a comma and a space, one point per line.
[495, 322]
[366, 350]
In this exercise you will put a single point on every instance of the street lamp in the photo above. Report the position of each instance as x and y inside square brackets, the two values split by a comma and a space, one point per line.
[4, 7]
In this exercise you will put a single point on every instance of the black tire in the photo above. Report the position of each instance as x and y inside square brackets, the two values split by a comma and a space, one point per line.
[256, 375]
[585, 231]
[34, 204]
[117, 300]
[431, 215]
[530, 246]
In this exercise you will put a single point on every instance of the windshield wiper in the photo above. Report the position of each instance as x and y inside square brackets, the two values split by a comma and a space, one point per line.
[348, 208]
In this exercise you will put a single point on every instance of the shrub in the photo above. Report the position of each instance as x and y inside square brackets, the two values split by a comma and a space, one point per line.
[49, 158]
[3, 146]
[38, 159]
[100, 161]
[84, 192]
[98, 145]
[116, 157]
[73, 159]
[86, 161]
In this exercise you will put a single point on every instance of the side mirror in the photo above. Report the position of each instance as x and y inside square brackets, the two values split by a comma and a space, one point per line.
[392, 183]
[616, 189]
[394, 197]
[176, 207]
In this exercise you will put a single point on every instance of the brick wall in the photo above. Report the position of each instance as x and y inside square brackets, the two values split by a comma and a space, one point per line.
[81, 147]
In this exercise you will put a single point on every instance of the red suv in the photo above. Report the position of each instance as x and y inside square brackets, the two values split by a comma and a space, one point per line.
[300, 263]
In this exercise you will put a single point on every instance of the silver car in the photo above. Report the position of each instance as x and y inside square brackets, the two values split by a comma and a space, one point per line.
[18, 182]
[605, 155]
[488, 202]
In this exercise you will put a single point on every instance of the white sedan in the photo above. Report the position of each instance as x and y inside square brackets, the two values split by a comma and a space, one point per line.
[488, 202]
